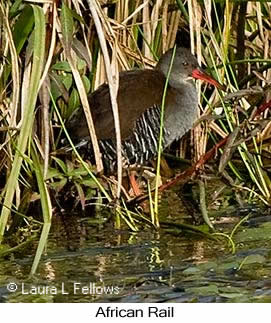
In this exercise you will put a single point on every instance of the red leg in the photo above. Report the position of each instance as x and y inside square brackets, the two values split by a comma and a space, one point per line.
[134, 184]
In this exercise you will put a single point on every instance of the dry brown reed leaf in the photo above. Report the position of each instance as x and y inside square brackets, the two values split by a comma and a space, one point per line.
[134, 13]
[259, 19]
[164, 27]
[45, 124]
[100, 75]
[147, 31]
[72, 59]
[155, 17]
[52, 10]
[112, 83]
[191, 25]
[199, 133]
[265, 134]
[215, 127]
[44, 85]
[198, 22]
[207, 11]
[173, 28]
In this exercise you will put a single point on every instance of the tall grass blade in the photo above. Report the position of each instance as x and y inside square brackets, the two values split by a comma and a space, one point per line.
[160, 144]
[28, 117]
[46, 208]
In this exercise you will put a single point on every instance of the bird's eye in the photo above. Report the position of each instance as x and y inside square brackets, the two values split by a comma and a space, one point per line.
[185, 63]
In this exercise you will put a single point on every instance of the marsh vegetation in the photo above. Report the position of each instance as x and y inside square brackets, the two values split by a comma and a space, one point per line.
[53, 54]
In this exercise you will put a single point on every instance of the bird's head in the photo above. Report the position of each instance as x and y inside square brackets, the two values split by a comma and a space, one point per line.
[184, 68]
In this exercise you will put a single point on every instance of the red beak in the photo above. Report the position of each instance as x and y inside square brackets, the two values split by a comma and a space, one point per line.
[200, 75]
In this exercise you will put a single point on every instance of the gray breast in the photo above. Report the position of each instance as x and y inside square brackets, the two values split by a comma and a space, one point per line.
[181, 114]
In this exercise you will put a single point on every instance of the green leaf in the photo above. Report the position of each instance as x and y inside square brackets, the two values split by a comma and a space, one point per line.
[58, 87]
[78, 172]
[58, 186]
[87, 83]
[75, 15]
[53, 173]
[23, 27]
[74, 102]
[61, 164]
[81, 64]
[90, 193]
[66, 20]
[89, 183]
[67, 81]
[62, 66]
[14, 10]
[70, 167]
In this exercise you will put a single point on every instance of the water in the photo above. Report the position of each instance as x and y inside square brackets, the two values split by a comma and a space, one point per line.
[86, 264]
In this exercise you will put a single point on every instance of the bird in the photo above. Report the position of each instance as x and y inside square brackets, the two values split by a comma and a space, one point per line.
[139, 102]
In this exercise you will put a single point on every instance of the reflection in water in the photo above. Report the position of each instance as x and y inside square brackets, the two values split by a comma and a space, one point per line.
[85, 266]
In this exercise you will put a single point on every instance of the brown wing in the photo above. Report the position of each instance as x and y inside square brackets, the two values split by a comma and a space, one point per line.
[138, 91]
